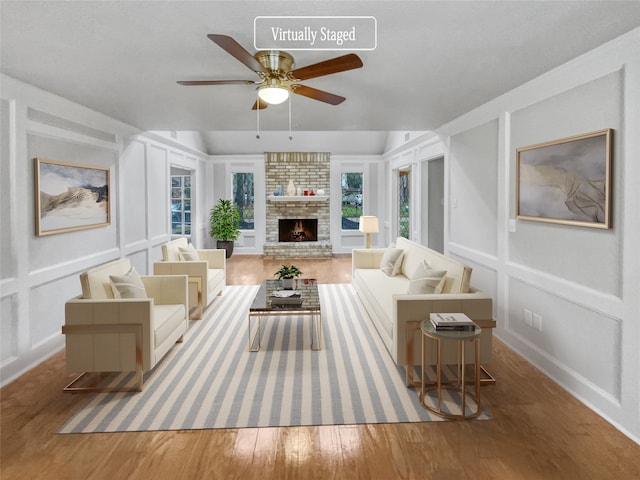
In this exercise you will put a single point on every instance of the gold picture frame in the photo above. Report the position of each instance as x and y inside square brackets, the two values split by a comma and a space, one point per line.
[70, 196]
[566, 181]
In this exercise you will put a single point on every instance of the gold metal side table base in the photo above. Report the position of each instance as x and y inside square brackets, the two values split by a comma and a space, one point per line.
[460, 385]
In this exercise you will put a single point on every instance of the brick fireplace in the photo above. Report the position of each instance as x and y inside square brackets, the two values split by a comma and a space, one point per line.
[311, 238]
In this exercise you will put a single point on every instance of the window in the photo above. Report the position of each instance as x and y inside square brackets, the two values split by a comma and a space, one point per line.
[351, 200]
[243, 199]
[403, 204]
[181, 205]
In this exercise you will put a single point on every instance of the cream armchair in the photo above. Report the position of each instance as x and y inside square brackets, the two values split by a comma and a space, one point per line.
[107, 334]
[207, 275]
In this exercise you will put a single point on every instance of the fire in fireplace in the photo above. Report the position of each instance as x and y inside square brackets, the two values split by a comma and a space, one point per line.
[298, 229]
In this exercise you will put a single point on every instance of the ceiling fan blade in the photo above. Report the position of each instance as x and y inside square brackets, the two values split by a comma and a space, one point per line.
[320, 95]
[259, 103]
[191, 83]
[327, 67]
[236, 50]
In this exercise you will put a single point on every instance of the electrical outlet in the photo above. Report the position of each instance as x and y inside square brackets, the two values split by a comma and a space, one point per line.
[537, 322]
[526, 316]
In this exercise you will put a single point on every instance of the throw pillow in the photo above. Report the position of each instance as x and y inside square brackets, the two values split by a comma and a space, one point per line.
[128, 285]
[392, 261]
[427, 280]
[189, 254]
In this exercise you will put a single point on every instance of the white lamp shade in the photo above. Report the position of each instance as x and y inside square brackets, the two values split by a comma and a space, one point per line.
[368, 224]
[273, 95]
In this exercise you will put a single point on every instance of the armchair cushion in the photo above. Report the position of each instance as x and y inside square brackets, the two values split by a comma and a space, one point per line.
[128, 285]
[188, 254]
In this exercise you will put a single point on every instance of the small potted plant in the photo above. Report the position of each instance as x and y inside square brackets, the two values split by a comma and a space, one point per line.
[225, 225]
[287, 273]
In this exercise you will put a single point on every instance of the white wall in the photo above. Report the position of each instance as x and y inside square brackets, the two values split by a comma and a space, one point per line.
[38, 274]
[583, 282]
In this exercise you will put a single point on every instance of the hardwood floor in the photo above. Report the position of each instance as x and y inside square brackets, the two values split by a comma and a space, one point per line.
[538, 432]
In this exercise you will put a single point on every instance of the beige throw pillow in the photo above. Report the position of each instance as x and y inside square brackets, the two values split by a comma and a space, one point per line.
[188, 254]
[128, 285]
[392, 261]
[427, 280]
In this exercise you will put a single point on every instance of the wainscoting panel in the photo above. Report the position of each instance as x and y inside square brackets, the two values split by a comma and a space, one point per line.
[571, 340]
[9, 319]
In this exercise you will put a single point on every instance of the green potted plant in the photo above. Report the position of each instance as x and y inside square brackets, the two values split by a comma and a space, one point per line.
[225, 225]
[287, 273]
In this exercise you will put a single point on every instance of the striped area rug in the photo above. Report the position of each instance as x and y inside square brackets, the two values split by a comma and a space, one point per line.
[213, 381]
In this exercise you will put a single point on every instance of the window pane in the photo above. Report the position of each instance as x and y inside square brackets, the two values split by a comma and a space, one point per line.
[351, 200]
[180, 204]
[403, 205]
[243, 199]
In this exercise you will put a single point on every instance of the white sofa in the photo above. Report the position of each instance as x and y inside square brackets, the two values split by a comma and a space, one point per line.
[107, 334]
[391, 307]
[207, 275]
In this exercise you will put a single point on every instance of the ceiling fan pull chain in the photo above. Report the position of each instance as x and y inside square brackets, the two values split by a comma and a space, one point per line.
[257, 116]
[290, 136]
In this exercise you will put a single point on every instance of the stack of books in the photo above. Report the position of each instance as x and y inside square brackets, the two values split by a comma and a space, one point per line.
[291, 298]
[457, 322]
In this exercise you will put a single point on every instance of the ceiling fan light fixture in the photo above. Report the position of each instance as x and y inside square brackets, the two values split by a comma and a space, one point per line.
[273, 93]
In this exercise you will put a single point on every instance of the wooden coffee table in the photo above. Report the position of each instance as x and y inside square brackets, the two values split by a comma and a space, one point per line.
[262, 307]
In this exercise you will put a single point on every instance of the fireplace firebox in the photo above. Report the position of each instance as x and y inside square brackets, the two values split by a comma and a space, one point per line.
[298, 229]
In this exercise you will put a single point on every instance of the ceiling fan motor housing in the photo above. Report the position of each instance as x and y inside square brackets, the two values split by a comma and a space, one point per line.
[276, 62]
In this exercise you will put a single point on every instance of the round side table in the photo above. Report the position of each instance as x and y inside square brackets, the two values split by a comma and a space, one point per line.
[460, 337]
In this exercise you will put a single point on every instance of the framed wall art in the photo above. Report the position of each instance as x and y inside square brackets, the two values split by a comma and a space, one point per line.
[70, 196]
[566, 181]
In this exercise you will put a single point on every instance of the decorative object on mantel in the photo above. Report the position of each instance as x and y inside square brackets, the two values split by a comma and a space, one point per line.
[320, 192]
[287, 273]
[291, 189]
[368, 225]
[225, 225]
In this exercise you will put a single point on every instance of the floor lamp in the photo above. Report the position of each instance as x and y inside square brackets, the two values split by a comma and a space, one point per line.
[368, 225]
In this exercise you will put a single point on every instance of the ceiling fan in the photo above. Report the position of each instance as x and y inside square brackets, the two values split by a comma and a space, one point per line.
[277, 80]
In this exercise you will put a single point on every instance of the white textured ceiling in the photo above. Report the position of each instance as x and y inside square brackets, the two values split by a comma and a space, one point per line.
[433, 61]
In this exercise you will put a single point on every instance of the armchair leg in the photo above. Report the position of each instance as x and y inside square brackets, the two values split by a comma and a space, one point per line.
[135, 329]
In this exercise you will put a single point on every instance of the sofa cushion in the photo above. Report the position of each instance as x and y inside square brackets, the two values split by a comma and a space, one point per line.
[391, 261]
[426, 280]
[166, 319]
[128, 285]
[458, 274]
[188, 254]
[171, 250]
[381, 289]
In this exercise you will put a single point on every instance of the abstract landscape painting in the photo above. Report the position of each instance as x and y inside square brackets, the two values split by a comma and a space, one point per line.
[70, 196]
[566, 181]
